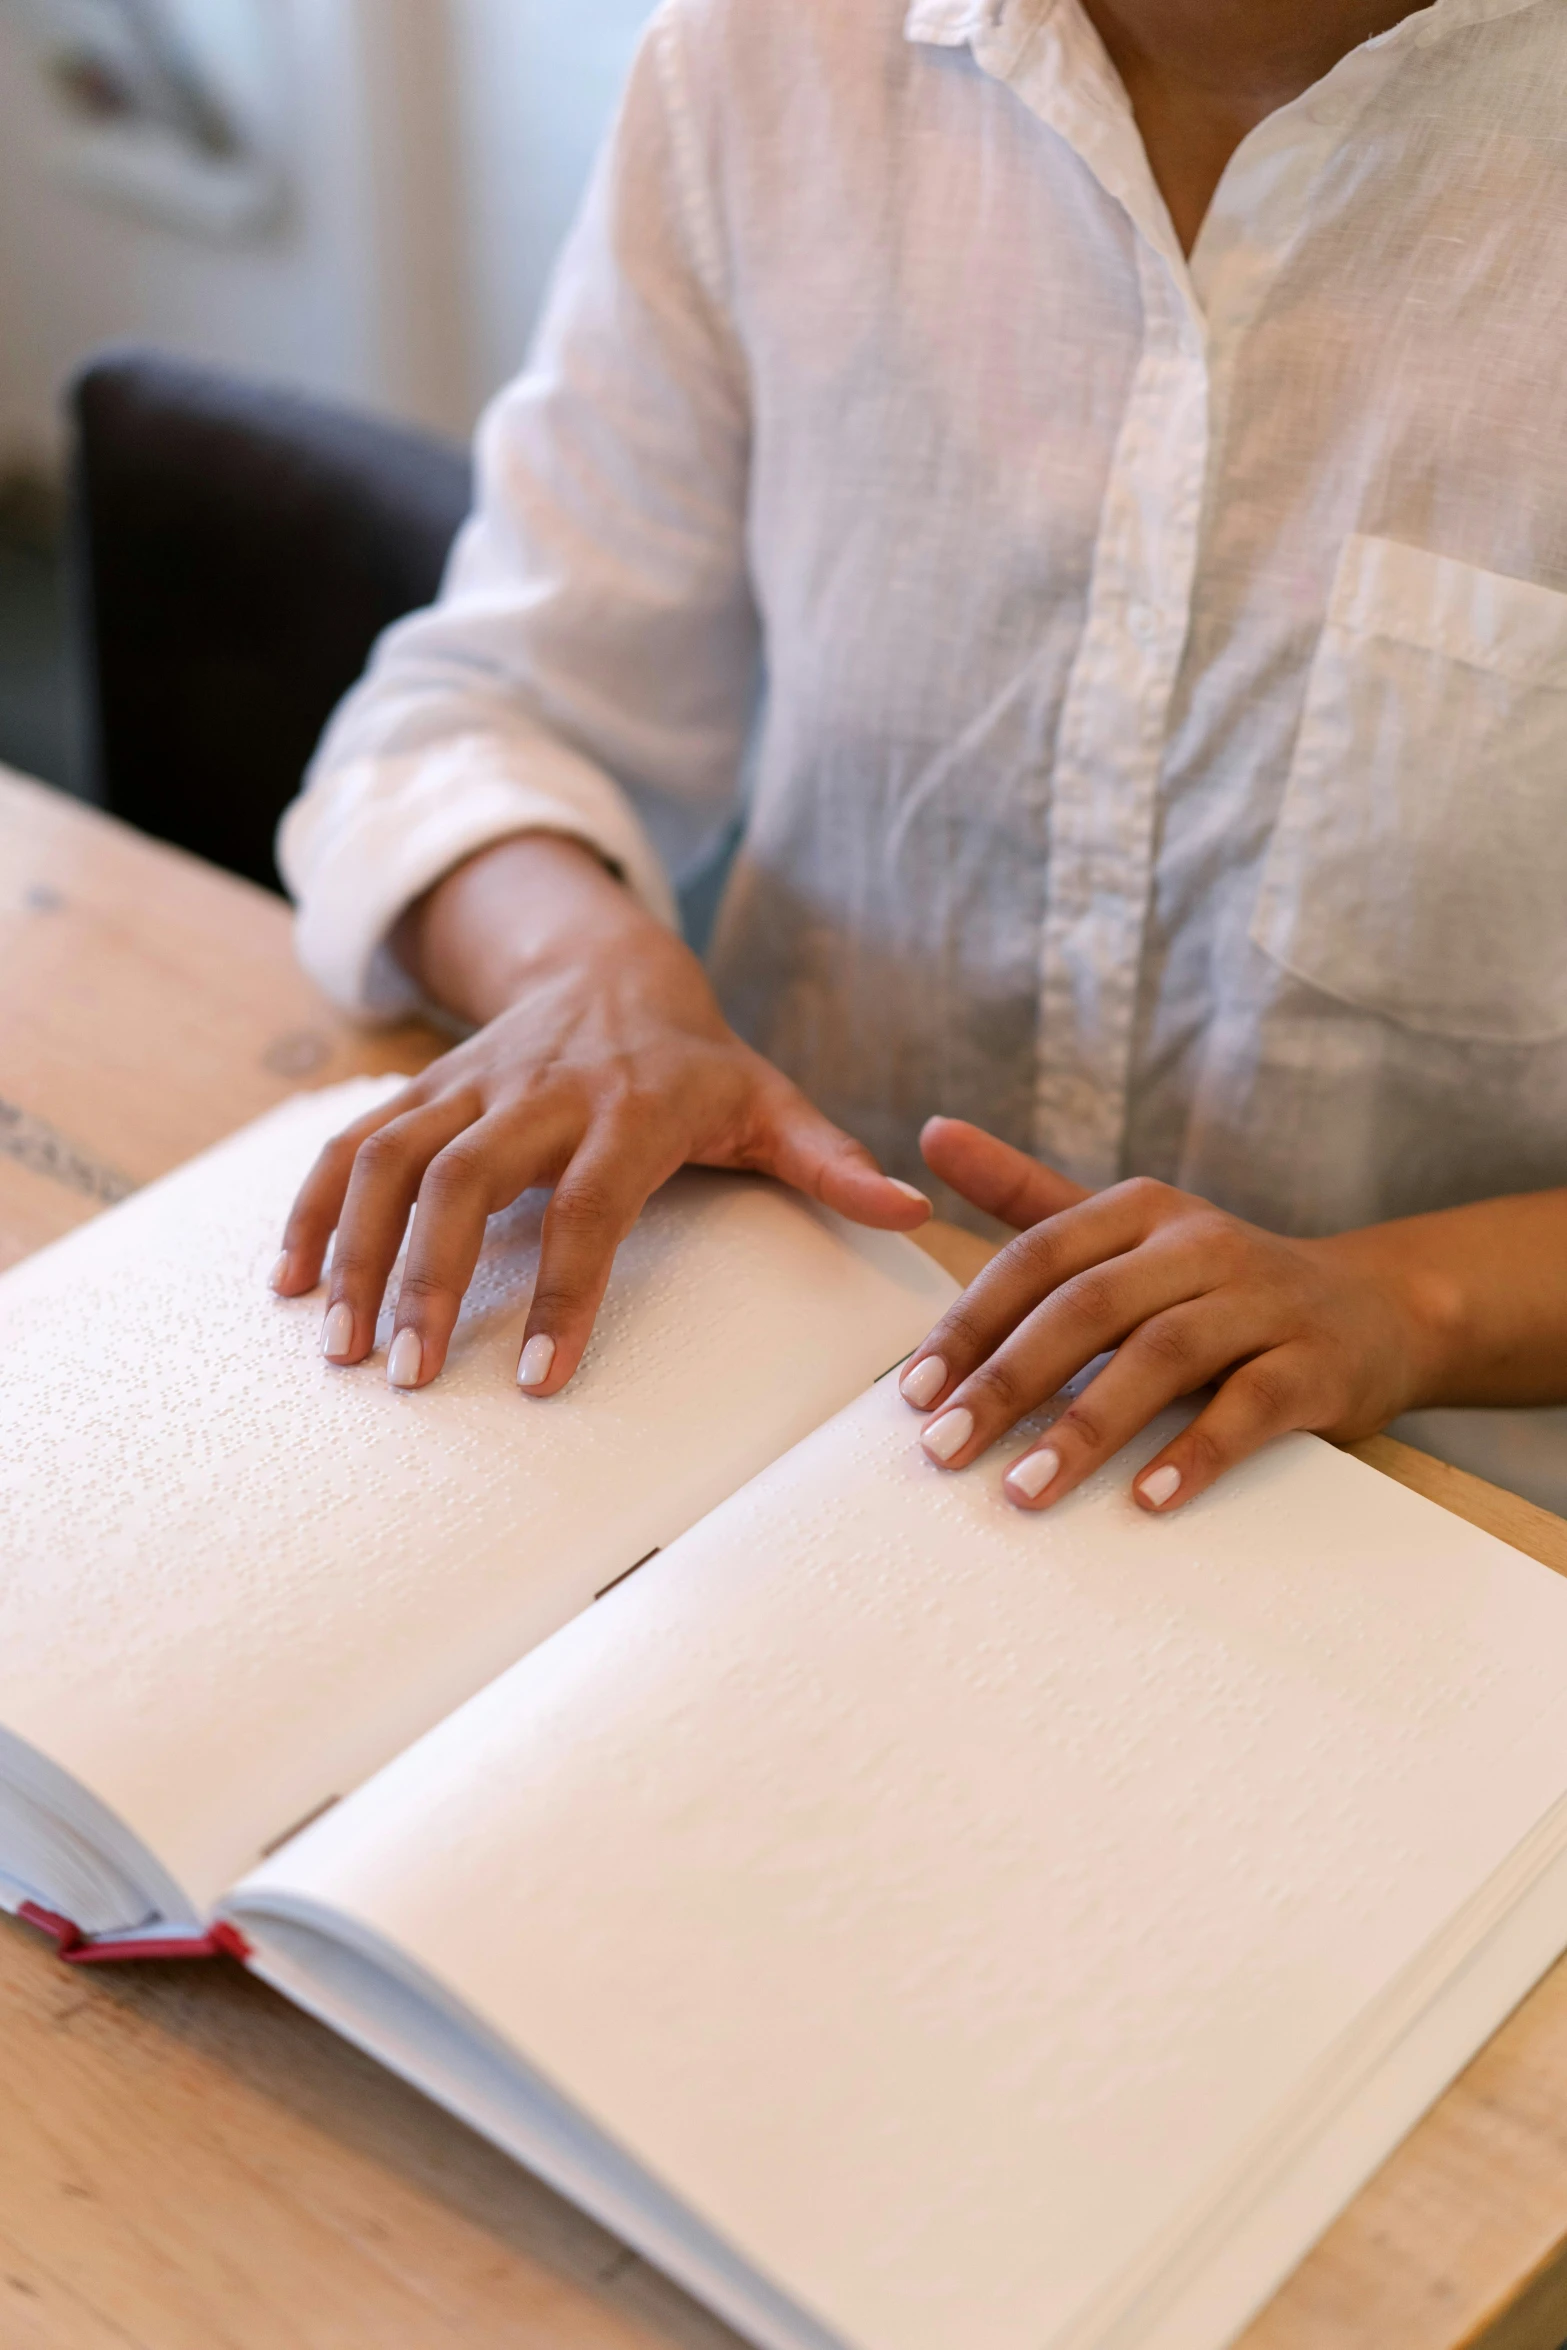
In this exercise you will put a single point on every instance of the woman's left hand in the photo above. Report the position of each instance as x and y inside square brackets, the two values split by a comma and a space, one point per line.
[1335, 1335]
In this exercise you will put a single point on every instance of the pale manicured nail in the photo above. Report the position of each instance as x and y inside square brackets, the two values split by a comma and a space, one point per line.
[279, 1272]
[1161, 1485]
[404, 1360]
[921, 1385]
[949, 1434]
[337, 1332]
[537, 1357]
[910, 1191]
[1033, 1473]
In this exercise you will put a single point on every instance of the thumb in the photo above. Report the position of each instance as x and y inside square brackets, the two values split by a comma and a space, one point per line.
[991, 1175]
[815, 1156]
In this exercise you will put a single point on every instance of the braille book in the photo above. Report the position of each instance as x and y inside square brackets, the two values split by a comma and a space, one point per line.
[910, 1922]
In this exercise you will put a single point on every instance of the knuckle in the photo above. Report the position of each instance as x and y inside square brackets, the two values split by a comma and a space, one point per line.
[961, 1335]
[422, 1290]
[1222, 1240]
[638, 1103]
[453, 1174]
[1272, 1392]
[584, 1207]
[1035, 1253]
[1083, 1425]
[380, 1154]
[1206, 1456]
[844, 1151]
[1146, 1192]
[999, 1390]
[557, 1299]
[639, 1121]
[770, 1096]
[351, 1268]
[1166, 1343]
[1089, 1299]
[823, 1149]
[616, 1088]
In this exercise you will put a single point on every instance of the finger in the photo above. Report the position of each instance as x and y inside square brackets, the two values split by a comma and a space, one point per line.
[1166, 1357]
[482, 1170]
[1066, 1248]
[994, 1177]
[595, 1203]
[1267, 1397]
[387, 1170]
[807, 1151]
[1105, 1307]
[312, 1219]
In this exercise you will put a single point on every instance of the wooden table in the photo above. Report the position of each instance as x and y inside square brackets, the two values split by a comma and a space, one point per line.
[186, 2162]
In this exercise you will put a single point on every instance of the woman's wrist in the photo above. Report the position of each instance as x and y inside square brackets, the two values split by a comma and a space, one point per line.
[514, 910]
[1482, 1295]
[1420, 1290]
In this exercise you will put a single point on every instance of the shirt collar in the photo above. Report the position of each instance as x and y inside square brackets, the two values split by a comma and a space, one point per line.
[1049, 52]
[951, 24]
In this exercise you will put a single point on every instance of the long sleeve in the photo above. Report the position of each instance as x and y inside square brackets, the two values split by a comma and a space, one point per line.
[590, 666]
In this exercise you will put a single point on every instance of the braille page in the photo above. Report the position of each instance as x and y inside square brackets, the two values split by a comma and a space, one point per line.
[1005, 1931]
[234, 1581]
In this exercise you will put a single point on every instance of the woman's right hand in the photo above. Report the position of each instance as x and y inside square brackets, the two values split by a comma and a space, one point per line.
[603, 1064]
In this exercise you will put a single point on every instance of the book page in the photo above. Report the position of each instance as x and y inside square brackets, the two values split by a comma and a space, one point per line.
[234, 1580]
[970, 1916]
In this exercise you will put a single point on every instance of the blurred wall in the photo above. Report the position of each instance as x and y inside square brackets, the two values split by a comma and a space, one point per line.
[435, 151]
[540, 82]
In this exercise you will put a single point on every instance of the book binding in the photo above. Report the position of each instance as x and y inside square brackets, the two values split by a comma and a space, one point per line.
[79, 1949]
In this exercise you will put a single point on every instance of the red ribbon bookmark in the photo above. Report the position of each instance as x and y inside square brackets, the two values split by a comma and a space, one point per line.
[79, 1949]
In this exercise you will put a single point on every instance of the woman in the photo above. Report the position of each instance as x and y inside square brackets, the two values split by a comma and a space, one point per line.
[1100, 468]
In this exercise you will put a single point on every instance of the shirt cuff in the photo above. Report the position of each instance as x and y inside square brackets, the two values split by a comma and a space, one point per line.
[368, 838]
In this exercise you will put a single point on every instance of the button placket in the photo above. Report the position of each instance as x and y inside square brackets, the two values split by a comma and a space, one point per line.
[1103, 824]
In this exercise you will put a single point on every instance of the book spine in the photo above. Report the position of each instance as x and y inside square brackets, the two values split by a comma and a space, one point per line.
[79, 1949]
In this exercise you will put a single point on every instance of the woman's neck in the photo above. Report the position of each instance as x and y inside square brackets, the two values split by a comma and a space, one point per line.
[1202, 73]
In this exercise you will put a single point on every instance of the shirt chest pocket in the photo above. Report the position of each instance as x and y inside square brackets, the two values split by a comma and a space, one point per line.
[1419, 864]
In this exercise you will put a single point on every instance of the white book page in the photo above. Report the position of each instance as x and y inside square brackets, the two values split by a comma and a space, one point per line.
[963, 1912]
[234, 1581]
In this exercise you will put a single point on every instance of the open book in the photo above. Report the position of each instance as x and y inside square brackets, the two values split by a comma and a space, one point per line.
[909, 1922]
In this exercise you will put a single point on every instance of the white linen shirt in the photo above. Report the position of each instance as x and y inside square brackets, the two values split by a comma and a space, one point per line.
[1145, 679]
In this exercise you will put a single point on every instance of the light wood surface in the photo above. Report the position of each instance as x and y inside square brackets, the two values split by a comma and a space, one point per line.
[185, 2159]
[150, 1005]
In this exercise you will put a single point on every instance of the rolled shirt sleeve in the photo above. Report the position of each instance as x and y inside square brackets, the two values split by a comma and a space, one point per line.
[590, 666]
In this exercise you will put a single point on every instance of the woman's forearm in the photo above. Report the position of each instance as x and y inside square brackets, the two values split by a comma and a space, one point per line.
[1489, 1284]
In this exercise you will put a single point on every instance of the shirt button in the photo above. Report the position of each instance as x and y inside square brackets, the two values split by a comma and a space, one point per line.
[1142, 622]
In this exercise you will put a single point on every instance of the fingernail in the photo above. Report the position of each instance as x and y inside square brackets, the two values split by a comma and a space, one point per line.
[949, 1434]
[337, 1332]
[537, 1357]
[910, 1191]
[921, 1385]
[404, 1359]
[1033, 1473]
[279, 1272]
[1158, 1487]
